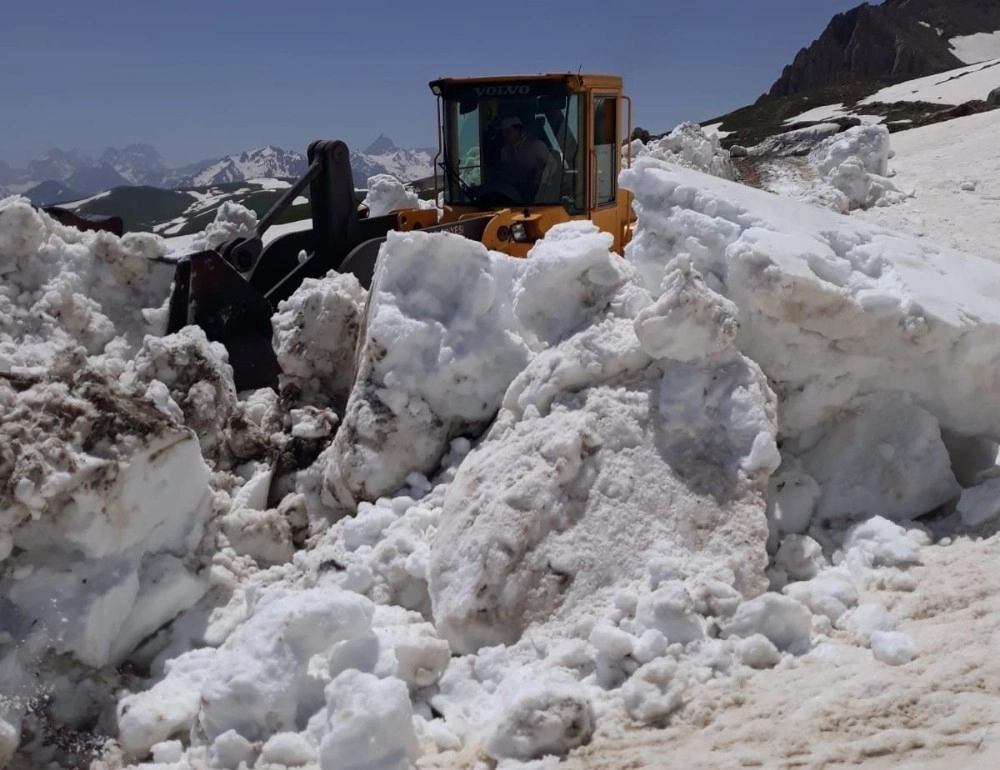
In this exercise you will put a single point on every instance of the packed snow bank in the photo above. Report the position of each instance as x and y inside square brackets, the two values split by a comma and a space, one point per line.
[836, 311]
[825, 167]
[692, 146]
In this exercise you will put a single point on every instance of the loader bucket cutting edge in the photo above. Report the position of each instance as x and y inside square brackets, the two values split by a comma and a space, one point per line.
[209, 293]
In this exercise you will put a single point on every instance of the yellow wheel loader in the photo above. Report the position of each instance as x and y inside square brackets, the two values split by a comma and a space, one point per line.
[516, 156]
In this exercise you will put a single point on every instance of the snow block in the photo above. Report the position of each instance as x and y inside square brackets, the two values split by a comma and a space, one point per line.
[602, 458]
[102, 489]
[439, 350]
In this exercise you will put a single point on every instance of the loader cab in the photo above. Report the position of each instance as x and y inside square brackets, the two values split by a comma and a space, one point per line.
[568, 159]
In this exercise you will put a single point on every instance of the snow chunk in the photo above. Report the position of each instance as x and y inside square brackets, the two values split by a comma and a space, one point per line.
[899, 467]
[64, 289]
[199, 379]
[315, 336]
[260, 682]
[369, 724]
[654, 692]
[826, 167]
[831, 593]
[893, 647]
[437, 355]
[386, 194]
[290, 749]
[570, 278]
[786, 622]
[881, 542]
[169, 708]
[800, 557]
[540, 712]
[232, 220]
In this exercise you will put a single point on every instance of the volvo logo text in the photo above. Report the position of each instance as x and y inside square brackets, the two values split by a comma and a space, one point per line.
[507, 90]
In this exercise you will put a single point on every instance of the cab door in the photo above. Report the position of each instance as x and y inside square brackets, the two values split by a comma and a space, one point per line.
[605, 162]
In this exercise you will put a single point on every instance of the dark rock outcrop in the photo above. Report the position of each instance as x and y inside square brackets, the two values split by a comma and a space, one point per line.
[899, 40]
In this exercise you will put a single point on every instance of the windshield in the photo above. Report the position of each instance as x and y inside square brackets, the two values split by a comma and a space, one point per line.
[510, 147]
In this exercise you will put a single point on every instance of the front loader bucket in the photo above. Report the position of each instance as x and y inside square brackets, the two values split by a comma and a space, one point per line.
[210, 293]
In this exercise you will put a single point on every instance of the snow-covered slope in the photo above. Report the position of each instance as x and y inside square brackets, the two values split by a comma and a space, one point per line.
[953, 171]
[979, 47]
[953, 87]
[569, 502]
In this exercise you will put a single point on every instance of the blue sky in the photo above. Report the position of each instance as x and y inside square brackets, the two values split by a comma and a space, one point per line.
[198, 79]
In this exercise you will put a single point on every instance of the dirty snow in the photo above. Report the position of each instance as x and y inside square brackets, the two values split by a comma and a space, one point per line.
[825, 166]
[573, 506]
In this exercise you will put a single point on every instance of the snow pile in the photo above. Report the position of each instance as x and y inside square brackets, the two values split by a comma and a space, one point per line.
[109, 436]
[232, 220]
[691, 146]
[571, 516]
[63, 289]
[557, 473]
[825, 167]
[386, 194]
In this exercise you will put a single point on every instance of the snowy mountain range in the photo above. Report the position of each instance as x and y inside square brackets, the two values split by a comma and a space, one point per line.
[63, 175]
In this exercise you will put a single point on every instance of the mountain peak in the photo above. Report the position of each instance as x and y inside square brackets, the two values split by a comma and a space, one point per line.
[381, 146]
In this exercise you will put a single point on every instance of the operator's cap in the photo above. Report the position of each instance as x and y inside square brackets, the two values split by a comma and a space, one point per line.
[511, 122]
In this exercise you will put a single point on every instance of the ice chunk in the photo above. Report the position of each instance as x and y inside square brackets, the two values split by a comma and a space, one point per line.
[980, 504]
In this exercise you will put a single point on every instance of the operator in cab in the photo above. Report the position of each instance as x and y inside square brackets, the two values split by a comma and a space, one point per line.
[532, 155]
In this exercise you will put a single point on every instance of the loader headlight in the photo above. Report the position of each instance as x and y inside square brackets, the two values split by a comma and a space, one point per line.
[519, 232]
